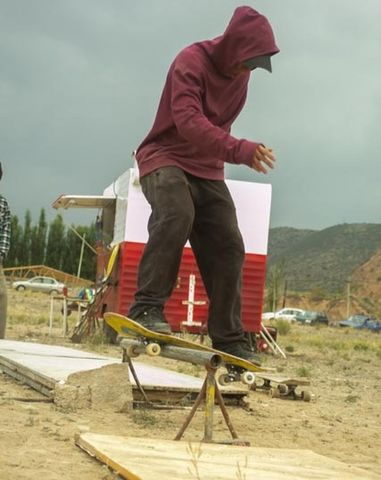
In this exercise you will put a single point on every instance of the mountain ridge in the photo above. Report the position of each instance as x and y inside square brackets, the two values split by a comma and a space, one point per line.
[324, 259]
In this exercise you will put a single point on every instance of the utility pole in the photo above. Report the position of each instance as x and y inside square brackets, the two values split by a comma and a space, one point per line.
[81, 255]
[284, 294]
[274, 290]
[348, 298]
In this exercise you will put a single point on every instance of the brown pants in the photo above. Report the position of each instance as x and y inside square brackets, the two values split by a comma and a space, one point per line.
[187, 207]
[3, 303]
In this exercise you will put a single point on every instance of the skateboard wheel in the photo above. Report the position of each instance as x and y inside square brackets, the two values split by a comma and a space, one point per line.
[248, 378]
[153, 349]
[225, 379]
[131, 352]
[306, 396]
[283, 389]
[274, 392]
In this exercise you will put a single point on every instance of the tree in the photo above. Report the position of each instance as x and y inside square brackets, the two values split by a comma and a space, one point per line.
[73, 247]
[38, 240]
[72, 251]
[276, 285]
[25, 244]
[55, 244]
[13, 257]
[52, 245]
[89, 263]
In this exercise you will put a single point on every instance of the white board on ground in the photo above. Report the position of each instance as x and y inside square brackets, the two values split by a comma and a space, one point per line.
[57, 363]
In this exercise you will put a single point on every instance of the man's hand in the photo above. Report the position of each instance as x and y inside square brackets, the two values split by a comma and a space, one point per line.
[263, 155]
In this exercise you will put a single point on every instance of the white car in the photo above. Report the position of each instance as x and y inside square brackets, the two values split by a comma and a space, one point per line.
[40, 284]
[285, 314]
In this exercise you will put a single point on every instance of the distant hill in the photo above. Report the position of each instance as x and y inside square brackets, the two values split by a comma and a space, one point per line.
[366, 282]
[322, 258]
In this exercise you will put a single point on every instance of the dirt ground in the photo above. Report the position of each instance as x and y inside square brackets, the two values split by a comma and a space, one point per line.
[342, 422]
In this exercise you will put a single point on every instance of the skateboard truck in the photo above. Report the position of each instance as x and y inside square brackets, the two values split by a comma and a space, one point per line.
[236, 374]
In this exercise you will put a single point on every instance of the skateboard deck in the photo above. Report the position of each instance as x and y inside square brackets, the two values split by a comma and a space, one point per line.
[281, 386]
[124, 326]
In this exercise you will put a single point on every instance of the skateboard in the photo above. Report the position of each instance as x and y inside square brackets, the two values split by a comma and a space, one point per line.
[279, 386]
[237, 368]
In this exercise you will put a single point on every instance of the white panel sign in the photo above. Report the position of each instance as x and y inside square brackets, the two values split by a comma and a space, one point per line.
[253, 203]
[252, 200]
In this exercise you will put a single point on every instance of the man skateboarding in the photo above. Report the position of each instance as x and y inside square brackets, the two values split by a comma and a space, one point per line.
[181, 164]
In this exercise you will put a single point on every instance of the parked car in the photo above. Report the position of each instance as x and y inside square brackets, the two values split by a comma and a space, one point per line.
[309, 317]
[40, 284]
[284, 313]
[361, 322]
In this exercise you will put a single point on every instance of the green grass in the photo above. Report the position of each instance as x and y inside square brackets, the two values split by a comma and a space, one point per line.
[144, 418]
[22, 318]
[303, 371]
[283, 326]
[342, 341]
[352, 398]
[96, 339]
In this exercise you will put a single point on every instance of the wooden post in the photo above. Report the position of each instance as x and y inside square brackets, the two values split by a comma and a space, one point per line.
[191, 302]
[64, 316]
[51, 315]
[81, 256]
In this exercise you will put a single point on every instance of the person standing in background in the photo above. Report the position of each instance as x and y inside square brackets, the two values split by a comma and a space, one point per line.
[5, 238]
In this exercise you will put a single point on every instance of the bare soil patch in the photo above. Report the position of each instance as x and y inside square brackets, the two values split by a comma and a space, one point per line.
[342, 422]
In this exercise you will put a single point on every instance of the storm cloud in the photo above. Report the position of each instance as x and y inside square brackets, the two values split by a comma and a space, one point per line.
[80, 81]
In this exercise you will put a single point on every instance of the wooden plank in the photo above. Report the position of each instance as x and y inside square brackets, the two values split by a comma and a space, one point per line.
[145, 459]
[25, 377]
[83, 201]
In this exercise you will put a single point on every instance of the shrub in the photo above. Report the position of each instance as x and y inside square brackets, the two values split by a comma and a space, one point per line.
[303, 371]
[283, 326]
[361, 346]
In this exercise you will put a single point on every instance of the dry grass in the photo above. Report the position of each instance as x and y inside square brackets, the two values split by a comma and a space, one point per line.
[341, 422]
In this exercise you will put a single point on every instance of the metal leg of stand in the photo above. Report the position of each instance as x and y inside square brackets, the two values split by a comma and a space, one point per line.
[209, 404]
[127, 359]
[211, 392]
[225, 414]
[192, 412]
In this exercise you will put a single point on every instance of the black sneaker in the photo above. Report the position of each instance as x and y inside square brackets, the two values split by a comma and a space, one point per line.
[153, 319]
[241, 350]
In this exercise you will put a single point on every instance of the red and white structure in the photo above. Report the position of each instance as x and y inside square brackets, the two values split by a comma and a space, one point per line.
[124, 219]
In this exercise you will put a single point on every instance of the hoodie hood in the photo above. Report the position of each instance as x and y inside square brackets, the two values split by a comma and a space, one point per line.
[248, 35]
[201, 99]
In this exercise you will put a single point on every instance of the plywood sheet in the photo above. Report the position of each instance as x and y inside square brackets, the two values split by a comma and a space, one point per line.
[145, 459]
[52, 363]
[57, 363]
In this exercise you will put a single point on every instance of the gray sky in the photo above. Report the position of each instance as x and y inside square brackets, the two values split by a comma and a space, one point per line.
[80, 82]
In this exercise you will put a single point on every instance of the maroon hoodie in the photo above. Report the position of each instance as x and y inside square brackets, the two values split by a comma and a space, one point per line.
[200, 101]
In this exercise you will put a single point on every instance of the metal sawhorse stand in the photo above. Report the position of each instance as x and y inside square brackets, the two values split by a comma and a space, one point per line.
[209, 392]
